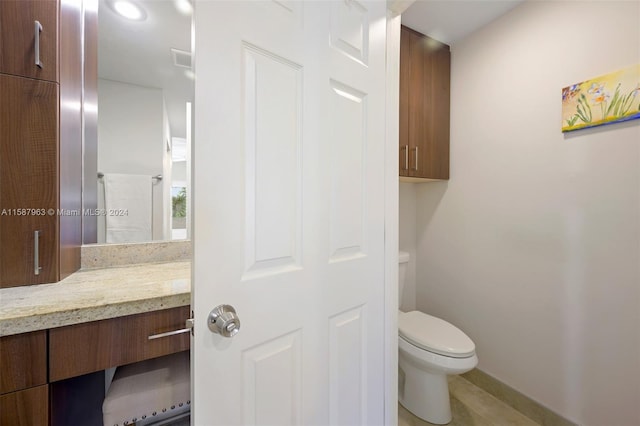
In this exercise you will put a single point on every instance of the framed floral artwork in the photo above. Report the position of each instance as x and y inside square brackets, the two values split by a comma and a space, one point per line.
[606, 99]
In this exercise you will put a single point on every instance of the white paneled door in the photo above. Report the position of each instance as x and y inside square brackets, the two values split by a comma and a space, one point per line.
[289, 212]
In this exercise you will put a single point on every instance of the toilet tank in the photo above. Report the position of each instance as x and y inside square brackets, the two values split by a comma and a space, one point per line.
[403, 264]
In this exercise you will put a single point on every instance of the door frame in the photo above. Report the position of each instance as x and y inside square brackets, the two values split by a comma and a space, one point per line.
[395, 8]
[391, 221]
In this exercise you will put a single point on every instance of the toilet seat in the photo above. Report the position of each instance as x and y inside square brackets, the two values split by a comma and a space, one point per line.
[434, 335]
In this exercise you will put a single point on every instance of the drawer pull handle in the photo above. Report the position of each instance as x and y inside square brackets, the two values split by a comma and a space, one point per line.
[38, 30]
[169, 333]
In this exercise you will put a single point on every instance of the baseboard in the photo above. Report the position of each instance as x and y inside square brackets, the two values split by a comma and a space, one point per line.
[527, 406]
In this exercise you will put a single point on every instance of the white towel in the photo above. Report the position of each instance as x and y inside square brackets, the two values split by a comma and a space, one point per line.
[128, 207]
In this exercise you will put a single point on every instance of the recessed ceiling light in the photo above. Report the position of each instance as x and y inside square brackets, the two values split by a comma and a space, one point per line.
[184, 6]
[129, 10]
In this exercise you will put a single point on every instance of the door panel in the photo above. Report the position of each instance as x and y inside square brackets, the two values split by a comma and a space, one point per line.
[348, 143]
[348, 367]
[405, 102]
[273, 162]
[273, 381]
[435, 162]
[17, 38]
[289, 204]
[419, 103]
[28, 180]
[350, 29]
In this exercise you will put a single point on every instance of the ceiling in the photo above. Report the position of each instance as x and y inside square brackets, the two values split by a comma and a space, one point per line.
[139, 52]
[451, 20]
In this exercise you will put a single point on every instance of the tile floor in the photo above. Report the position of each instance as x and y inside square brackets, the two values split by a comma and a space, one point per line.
[185, 421]
[472, 406]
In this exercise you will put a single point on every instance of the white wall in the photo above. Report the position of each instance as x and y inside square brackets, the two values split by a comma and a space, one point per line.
[179, 177]
[130, 139]
[407, 242]
[533, 246]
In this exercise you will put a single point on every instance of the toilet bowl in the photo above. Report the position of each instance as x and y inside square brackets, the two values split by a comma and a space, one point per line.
[429, 349]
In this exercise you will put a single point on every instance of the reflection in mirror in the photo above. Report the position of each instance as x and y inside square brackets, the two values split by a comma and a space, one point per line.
[145, 90]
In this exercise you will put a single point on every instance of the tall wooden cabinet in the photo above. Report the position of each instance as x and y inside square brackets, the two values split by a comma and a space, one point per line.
[28, 174]
[425, 68]
[40, 141]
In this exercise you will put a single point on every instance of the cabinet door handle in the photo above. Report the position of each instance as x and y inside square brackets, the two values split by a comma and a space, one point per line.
[416, 167]
[38, 30]
[36, 253]
[406, 157]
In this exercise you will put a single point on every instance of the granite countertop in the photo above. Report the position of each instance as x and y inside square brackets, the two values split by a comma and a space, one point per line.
[95, 294]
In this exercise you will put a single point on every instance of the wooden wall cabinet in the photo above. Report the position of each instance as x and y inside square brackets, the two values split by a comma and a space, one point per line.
[18, 35]
[425, 75]
[40, 141]
[28, 177]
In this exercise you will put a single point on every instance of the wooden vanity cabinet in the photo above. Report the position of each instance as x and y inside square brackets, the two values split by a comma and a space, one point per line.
[23, 361]
[425, 75]
[29, 407]
[40, 142]
[24, 392]
[49, 376]
[84, 348]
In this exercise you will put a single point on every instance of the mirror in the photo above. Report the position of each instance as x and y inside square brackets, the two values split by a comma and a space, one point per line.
[138, 179]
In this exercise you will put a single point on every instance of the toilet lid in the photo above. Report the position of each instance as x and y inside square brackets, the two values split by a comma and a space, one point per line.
[434, 335]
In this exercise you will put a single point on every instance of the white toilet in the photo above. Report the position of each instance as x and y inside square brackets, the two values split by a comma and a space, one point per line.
[429, 349]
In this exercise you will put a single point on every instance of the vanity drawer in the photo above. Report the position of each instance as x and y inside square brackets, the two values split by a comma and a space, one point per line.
[29, 407]
[23, 361]
[84, 348]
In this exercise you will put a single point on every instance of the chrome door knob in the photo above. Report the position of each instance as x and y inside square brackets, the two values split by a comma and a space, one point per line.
[224, 320]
